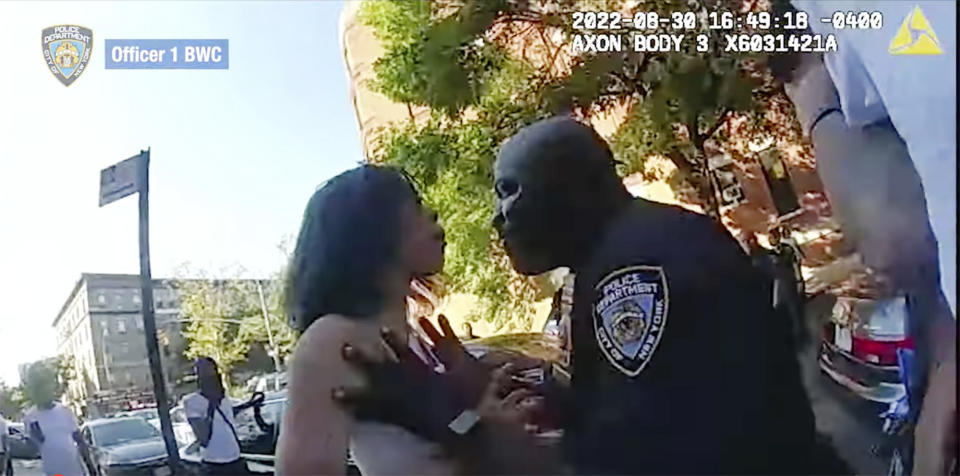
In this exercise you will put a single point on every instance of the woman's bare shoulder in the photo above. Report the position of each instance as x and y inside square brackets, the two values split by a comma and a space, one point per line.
[322, 342]
[327, 334]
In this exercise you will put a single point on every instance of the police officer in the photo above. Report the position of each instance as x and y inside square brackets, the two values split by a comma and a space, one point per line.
[677, 362]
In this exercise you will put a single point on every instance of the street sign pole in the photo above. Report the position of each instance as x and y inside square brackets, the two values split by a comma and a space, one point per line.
[266, 322]
[149, 323]
[117, 181]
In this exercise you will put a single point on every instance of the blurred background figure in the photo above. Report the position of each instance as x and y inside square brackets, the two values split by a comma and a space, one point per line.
[52, 426]
[790, 292]
[5, 464]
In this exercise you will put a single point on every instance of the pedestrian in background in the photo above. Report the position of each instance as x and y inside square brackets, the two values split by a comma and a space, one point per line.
[5, 463]
[211, 415]
[789, 293]
[52, 426]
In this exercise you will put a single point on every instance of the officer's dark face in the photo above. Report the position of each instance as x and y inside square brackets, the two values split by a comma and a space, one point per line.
[528, 213]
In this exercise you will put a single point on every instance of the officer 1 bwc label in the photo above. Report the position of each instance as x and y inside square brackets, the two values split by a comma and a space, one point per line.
[167, 54]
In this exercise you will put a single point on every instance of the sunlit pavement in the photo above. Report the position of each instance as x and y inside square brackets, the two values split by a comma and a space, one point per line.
[27, 467]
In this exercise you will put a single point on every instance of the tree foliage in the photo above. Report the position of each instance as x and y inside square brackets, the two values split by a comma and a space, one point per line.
[224, 317]
[12, 401]
[486, 68]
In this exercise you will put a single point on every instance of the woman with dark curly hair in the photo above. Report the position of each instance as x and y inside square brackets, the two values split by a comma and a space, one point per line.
[366, 249]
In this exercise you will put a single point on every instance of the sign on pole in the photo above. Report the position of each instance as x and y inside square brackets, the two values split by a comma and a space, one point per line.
[121, 179]
[118, 181]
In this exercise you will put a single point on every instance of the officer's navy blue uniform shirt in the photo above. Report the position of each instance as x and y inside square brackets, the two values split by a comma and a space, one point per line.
[679, 363]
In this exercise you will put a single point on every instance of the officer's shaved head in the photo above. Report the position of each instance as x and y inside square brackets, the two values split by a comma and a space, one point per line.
[556, 183]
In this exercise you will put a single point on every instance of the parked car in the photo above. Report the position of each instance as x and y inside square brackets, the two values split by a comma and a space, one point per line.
[19, 445]
[182, 431]
[523, 348]
[859, 346]
[125, 446]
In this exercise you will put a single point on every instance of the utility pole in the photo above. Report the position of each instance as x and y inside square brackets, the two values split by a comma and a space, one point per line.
[274, 352]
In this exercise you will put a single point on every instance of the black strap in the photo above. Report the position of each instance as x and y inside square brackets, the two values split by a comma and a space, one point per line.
[824, 113]
[232, 429]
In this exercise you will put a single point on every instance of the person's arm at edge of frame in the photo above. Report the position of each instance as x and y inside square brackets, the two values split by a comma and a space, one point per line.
[316, 430]
[936, 430]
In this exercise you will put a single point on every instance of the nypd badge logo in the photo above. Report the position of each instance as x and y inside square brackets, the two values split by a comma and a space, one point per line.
[629, 316]
[67, 51]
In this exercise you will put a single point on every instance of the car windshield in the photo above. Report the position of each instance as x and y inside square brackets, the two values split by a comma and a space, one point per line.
[123, 431]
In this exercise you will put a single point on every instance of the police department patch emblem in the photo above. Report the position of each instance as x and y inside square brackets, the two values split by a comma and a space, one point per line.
[629, 316]
[67, 51]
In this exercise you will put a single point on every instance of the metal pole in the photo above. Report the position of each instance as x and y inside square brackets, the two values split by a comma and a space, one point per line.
[149, 324]
[266, 322]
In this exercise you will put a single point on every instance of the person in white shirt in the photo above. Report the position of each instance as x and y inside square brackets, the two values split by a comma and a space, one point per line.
[52, 426]
[884, 129]
[211, 415]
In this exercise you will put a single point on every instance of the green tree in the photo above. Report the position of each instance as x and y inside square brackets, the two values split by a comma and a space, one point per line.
[12, 401]
[486, 68]
[214, 310]
[224, 317]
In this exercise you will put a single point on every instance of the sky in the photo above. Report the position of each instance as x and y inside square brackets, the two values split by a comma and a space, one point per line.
[235, 154]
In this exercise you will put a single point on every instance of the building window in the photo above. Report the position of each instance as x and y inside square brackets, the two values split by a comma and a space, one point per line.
[122, 326]
[102, 299]
[140, 325]
[136, 299]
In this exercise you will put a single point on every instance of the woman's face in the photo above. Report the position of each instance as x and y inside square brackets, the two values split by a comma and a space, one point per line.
[421, 243]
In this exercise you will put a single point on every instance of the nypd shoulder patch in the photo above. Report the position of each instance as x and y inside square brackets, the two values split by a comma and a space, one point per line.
[629, 316]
